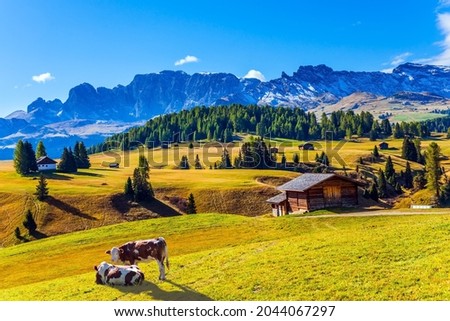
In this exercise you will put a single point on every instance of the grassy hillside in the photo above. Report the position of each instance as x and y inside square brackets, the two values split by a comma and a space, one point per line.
[91, 198]
[229, 257]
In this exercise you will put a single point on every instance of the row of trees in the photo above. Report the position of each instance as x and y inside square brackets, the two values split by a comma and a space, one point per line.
[220, 123]
[25, 159]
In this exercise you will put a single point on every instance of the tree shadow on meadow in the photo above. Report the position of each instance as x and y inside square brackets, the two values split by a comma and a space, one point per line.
[123, 204]
[68, 208]
[182, 293]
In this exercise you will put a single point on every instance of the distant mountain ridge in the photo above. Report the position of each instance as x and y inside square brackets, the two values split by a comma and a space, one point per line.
[148, 95]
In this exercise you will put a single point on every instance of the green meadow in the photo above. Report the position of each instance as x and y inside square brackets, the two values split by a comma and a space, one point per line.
[230, 257]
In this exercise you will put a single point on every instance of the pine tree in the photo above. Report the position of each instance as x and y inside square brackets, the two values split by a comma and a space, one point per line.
[184, 163]
[128, 190]
[41, 188]
[382, 185]
[141, 186]
[296, 158]
[432, 168]
[408, 176]
[81, 156]
[225, 161]
[191, 207]
[20, 163]
[389, 170]
[29, 223]
[197, 164]
[375, 152]
[67, 162]
[144, 166]
[40, 150]
[237, 160]
[30, 157]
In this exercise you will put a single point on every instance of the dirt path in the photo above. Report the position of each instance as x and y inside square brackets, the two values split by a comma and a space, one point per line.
[384, 213]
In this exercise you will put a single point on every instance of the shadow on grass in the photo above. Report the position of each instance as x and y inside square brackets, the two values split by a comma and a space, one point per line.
[88, 174]
[182, 293]
[57, 176]
[38, 235]
[67, 208]
[123, 204]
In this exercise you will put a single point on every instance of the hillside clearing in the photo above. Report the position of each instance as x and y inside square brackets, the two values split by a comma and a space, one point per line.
[214, 257]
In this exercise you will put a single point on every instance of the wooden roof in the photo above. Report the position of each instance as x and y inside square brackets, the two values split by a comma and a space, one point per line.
[277, 199]
[308, 180]
[45, 160]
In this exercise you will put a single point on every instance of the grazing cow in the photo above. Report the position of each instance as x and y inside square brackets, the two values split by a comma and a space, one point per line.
[144, 250]
[118, 274]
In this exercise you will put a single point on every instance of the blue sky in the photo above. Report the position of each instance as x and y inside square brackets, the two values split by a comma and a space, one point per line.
[48, 47]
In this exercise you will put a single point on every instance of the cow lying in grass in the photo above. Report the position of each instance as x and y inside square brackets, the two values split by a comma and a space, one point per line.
[143, 250]
[118, 274]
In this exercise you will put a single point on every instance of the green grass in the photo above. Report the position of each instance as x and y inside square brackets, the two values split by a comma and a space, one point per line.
[410, 117]
[226, 257]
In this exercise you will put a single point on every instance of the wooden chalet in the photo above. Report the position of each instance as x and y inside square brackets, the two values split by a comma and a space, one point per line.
[315, 191]
[306, 146]
[383, 145]
[45, 163]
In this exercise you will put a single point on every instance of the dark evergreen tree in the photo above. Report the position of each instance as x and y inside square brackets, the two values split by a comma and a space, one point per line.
[238, 160]
[41, 188]
[409, 151]
[375, 152]
[128, 190]
[408, 176]
[141, 186]
[40, 150]
[382, 185]
[191, 208]
[67, 163]
[433, 168]
[20, 162]
[197, 164]
[184, 163]
[389, 171]
[296, 158]
[225, 162]
[30, 157]
[29, 223]
[81, 156]
[144, 166]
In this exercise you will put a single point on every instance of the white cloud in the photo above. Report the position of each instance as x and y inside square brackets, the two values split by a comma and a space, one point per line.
[255, 74]
[43, 78]
[399, 59]
[443, 21]
[185, 60]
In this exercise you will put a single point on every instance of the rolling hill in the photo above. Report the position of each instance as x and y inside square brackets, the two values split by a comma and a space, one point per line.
[229, 257]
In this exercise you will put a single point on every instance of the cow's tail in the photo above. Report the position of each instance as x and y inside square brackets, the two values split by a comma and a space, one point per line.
[166, 252]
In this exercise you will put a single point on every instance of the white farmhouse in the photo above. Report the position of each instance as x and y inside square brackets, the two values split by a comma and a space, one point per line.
[45, 163]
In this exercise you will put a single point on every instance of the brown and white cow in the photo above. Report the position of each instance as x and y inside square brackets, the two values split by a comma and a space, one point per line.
[143, 250]
[118, 274]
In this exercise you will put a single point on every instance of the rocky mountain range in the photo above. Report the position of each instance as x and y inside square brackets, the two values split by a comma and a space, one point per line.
[91, 113]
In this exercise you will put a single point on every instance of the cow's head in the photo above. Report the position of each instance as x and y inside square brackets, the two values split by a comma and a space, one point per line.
[101, 269]
[115, 254]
